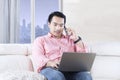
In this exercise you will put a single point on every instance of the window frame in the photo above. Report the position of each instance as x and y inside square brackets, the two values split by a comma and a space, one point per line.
[32, 17]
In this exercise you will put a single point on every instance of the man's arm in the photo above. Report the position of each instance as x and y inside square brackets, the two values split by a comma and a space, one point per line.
[38, 54]
[79, 45]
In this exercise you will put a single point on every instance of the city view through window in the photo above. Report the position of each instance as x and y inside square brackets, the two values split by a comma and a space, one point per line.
[42, 9]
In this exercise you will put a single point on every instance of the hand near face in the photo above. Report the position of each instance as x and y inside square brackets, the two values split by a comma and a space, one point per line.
[71, 33]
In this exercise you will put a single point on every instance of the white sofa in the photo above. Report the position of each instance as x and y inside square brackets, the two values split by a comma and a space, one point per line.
[15, 63]
[107, 62]
[15, 57]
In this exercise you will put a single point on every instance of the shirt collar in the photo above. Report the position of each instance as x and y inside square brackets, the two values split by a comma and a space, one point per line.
[52, 36]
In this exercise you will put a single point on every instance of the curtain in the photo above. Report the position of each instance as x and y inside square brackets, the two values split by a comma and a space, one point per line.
[9, 21]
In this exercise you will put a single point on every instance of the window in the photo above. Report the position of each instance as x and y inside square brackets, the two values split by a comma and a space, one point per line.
[25, 24]
[42, 9]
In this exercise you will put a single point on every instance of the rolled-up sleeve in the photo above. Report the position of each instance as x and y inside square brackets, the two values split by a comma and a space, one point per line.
[38, 55]
[79, 49]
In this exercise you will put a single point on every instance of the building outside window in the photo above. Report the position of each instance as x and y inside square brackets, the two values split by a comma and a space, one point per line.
[42, 9]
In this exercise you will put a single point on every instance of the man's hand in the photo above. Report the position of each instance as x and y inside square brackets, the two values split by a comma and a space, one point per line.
[52, 64]
[71, 33]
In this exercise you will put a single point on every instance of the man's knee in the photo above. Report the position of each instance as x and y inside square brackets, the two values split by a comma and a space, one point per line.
[52, 74]
[58, 75]
[83, 76]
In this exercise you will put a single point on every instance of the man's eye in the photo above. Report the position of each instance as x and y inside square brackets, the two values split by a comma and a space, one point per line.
[55, 24]
[61, 25]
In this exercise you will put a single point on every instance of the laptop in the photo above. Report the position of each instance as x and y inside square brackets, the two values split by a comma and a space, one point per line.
[76, 62]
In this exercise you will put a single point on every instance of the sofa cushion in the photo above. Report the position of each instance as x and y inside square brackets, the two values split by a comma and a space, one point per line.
[21, 75]
[8, 49]
[29, 47]
[107, 67]
[112, 48]
[15, 62]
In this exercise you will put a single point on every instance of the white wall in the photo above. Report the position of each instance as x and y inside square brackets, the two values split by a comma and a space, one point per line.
[95, 20]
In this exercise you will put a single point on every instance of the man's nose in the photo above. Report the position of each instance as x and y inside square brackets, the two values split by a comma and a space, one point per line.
[58, 27]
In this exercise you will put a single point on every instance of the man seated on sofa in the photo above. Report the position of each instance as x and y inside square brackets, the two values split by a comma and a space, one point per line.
[48, 49]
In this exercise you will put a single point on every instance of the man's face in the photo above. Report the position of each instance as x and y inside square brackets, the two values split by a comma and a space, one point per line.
[56, 26]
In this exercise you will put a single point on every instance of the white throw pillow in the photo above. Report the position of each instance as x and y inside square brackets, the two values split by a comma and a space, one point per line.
[21, 75]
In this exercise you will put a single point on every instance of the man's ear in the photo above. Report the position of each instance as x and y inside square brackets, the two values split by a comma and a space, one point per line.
[48, 24]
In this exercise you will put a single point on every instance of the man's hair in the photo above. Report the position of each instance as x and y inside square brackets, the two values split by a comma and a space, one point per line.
[58, 14]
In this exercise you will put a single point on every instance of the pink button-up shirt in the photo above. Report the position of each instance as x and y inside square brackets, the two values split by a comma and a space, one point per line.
[49, 48]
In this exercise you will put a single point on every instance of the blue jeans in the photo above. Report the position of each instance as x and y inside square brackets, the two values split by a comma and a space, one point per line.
[52, 74]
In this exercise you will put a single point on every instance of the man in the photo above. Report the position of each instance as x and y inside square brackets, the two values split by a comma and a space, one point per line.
[48, 49]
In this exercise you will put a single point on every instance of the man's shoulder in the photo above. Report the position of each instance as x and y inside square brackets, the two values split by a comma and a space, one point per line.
[42, 37]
